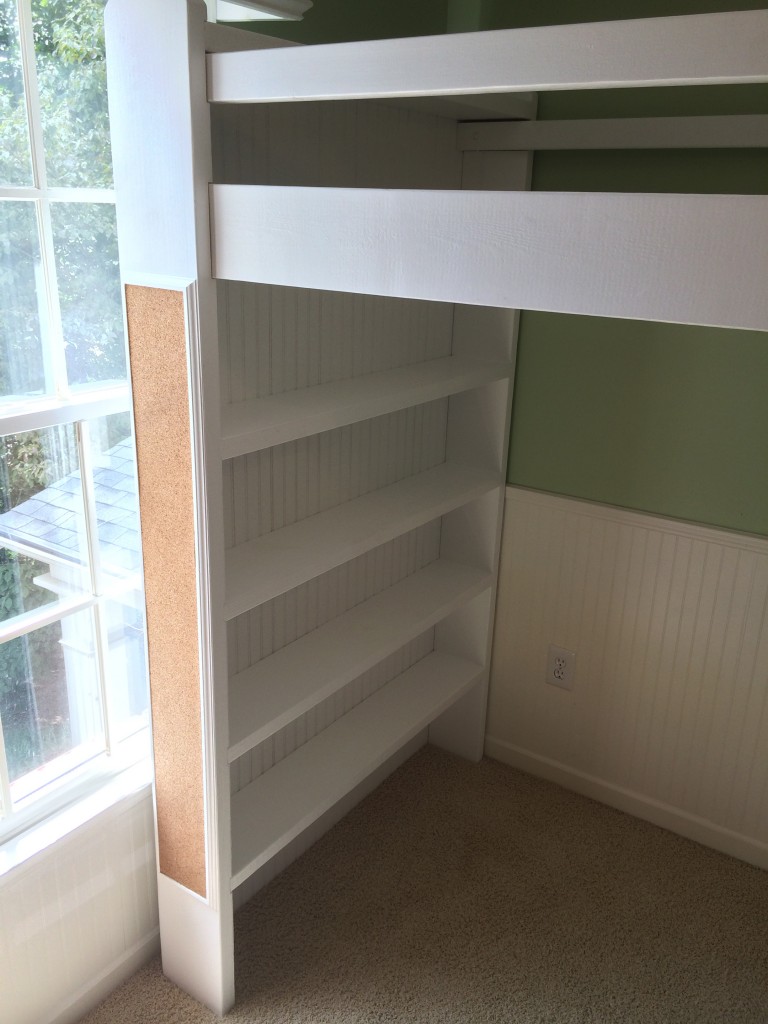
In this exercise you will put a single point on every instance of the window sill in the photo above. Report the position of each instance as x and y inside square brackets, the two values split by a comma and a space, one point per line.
[133, 782]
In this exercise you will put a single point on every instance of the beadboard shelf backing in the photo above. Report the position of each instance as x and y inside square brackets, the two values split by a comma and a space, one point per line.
[280, 688]
[685, 50]
[567, 252]
[280, 804]
[262, 423]
[261, 569]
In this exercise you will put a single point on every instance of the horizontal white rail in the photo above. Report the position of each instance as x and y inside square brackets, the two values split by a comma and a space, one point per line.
[696, 259]
[37, 413]
[686, 50]
[736, 131]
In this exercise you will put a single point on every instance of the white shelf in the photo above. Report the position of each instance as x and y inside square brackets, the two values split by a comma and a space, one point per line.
[274, 692]
[280, 804]
[277, 562]
[263, 422]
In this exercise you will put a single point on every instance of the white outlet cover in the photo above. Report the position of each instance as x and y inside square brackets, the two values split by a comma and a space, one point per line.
[561, 667]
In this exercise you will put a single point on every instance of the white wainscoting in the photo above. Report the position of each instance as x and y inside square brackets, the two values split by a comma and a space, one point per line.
[80, 917]
[668, 716]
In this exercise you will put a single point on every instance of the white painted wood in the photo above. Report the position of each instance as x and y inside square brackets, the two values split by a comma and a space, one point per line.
[334, 336]
[655, 257]
[48, 412]
[269, 627]
[669, 622]
[281, 804]
[688, 50]
[78, 914]
[478, 431]
[321, 716]
[282, 687]
[101, 985]
[251, 426]
[197, 951]
[162, 166]
[301, 478]
[700, 830]
[734, 131]
[277, 562]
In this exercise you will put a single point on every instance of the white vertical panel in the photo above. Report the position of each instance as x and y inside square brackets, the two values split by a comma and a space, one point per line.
[73, 917]
[669, 622]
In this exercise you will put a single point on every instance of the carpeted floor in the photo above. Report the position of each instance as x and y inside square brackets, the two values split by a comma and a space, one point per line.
[475, 893]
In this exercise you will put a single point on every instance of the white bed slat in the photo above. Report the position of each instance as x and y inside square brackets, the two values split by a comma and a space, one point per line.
[656, 257]
[637, 256]
[684, 50]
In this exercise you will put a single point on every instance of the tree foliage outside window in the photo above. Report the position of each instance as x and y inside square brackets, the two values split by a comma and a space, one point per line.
[61, 337]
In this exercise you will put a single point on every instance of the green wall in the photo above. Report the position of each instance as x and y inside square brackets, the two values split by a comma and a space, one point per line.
[337, 21]
[666, 419]
[663, 418]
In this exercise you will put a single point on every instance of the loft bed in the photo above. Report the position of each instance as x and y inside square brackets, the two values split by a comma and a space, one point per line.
[324, 250]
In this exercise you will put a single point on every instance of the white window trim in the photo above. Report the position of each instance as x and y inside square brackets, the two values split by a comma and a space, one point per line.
[82, 791]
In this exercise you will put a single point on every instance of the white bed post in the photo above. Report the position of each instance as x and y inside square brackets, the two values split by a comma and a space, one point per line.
[478, 433]
[162, 161]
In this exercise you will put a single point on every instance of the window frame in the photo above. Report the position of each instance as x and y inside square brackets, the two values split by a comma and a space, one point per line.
[79, 407]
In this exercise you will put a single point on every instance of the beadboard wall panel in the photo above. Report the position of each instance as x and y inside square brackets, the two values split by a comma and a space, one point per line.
[276, 339]
[669, 622]
[80, 917]
[270, 489]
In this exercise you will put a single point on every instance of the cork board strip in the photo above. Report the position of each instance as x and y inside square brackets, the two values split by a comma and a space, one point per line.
[158, 351]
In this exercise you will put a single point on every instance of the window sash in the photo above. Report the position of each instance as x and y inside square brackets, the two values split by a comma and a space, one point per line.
[79, 405]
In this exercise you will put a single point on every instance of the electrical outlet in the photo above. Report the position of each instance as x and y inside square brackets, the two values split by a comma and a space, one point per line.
[561, 667]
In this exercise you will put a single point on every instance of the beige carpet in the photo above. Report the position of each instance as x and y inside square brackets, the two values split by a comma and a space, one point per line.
[462, 893]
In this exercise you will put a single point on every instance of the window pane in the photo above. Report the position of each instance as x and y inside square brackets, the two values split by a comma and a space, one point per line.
[50, 703]
[85, 242]
[15, 164]
[22, 584]
[41, 512]
[127, 689]
[115, 488]
[71, 72]
[23, 311]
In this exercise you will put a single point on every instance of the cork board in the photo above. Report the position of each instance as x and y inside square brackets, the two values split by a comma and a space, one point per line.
[157, 342]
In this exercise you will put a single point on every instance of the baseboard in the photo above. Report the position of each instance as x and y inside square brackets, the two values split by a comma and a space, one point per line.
[701, 831]
[98, 988]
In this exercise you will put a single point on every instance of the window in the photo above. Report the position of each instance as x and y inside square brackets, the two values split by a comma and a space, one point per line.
[73, 693]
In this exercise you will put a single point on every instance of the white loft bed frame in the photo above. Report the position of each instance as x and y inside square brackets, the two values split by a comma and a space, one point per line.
[348, 447]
